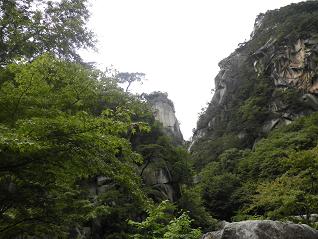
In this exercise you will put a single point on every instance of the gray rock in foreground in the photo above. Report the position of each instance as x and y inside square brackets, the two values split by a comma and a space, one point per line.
[265, 229]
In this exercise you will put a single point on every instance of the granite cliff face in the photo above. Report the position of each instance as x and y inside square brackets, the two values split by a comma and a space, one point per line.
[164, 112]
[265, 92]
[278, 74]
[157, 175]
[156, 172]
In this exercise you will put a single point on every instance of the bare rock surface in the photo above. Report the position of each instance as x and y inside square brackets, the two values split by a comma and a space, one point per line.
[265, 229]
[164, 112]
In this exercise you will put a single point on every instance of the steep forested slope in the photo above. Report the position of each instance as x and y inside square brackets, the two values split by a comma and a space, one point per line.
[80, 157]
[244, 169]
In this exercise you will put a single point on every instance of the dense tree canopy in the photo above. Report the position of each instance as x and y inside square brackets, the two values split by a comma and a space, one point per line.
[29, 28]
[65, 125]
[52, 138]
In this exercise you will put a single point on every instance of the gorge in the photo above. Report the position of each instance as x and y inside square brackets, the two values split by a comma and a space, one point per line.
[81, 157]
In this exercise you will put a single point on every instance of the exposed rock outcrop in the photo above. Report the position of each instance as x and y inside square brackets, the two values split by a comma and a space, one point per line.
[286, 68]
[267, 82]
[290, 65]
[158, 176]
[265, 229]
[156, 173]
[164, 112]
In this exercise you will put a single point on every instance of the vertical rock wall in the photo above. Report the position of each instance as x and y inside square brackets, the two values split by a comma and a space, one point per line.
[157, 173]
[164, 112]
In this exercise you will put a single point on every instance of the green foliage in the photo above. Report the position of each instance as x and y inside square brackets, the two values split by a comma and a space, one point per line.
[52, 140]
[160, 151]
[129, 78]
[268, 158]
[295, 20]
[154, 226]
[181, 169]
[160, 223]
[240, 166]
[208, 150]
[230, 158]
[191, 201]
[290, 97]
[293, 193]
[64, 125]
[219, 183]
[276, 180]
[253, 112]
[30, 28]
[218, 194]
[44, 88]
[180, 228]
[271, 166]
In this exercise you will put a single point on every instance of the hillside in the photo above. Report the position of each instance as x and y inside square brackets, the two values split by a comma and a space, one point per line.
[254, 149]
[81, 157]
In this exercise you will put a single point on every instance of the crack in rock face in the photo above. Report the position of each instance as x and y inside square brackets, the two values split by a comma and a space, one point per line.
[290, 65]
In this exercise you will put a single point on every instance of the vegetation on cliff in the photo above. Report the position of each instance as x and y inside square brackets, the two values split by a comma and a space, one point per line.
[276, 180]
[78, 153]
[65, 126]
[244, 169]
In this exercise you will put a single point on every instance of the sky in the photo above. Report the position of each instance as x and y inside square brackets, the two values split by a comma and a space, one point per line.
[176, 43]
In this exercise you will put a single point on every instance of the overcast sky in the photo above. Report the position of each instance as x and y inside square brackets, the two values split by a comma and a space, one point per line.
[177, 43]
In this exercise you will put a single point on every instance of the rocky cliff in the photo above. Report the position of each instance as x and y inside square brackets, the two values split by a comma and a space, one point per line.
[156, 172]
[288, 69]
[252, 142]
[164, 112]
[268, 81]
[159, 149]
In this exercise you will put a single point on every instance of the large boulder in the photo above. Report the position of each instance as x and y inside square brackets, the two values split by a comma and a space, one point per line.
[265, 229]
